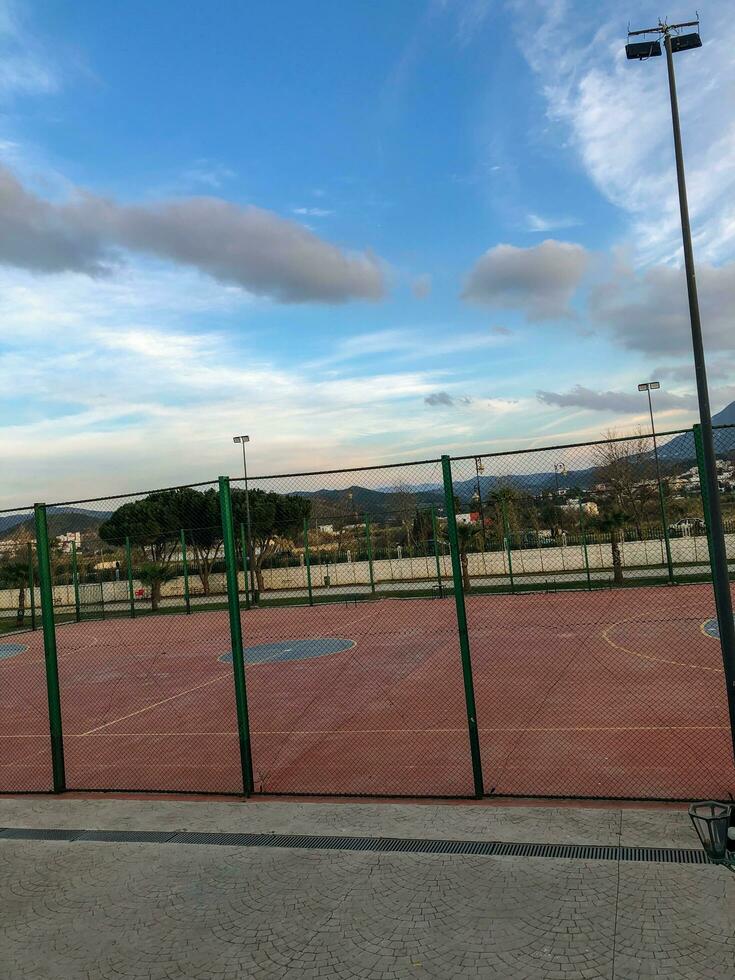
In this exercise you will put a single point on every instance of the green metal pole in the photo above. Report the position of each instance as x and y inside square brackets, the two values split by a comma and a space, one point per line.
[368, 536]
[49, 648]
[506, 532]
[667, 543]
[32, 585]
[436, 548]
[464, 640]
[244, 550]
[185, 565]
[131, 590]
[704, 493]
[307, 560]
[584, 544]
[238, 661]
[75, 580]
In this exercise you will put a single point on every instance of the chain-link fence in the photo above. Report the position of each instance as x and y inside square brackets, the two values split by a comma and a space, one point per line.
[537, 623]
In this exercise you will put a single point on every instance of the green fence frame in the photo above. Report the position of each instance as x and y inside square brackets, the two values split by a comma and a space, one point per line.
[49, 648]
[435, 532]
[238, 661]
[369, 539]
[307, 560]
[464, 640]
[75, 581]
[185, 568]
[32, 585]
[131, 590]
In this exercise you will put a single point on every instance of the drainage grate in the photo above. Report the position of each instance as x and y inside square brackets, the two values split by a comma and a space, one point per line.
[577, 852]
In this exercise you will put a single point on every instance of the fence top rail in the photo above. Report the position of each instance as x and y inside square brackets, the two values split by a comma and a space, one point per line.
[353, 469]
[132, 493]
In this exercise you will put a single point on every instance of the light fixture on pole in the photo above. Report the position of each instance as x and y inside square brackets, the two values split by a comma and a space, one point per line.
[248, 528]
[650, 386]
[674, 41]
[560, 469]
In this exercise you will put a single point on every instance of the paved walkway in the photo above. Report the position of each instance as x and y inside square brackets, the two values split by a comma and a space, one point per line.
[77, 911]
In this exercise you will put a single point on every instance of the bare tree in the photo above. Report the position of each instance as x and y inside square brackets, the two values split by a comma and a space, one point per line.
[626, 471]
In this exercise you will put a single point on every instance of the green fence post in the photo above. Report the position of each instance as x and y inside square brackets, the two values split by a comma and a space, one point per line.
[699, 448]
[307, 560]
[185, 566]
[464, 640]
[584, 544]
[436, 548]
[49, 648]
[131, 590]
[75, 580]
[506, 532]
[370, 554]
[667, 543]
[238, 661]
[244, 549]
[32, 585]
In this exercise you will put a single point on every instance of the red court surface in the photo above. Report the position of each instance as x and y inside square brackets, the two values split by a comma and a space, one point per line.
[604, 694]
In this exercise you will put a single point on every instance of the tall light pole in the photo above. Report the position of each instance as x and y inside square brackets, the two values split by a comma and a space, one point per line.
[248, 529]
[479, 468]
[673, 41]
[650, 386]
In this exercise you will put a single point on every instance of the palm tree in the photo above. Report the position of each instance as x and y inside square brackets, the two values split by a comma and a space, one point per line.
[614, 522]
[466, 534]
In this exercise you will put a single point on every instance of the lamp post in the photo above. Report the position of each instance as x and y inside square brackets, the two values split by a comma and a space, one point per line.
[649, 386]
[242, 440]
[673, 42]
[479, 468]
[715, 826]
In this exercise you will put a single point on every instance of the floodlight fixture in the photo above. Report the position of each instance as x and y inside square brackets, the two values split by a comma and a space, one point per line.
[638, 50]
[685, 42]
[649, 386]
[241, 438]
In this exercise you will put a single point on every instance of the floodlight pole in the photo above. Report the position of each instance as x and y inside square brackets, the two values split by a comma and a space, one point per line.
[720, 573]
[664, 519]
[253, 591]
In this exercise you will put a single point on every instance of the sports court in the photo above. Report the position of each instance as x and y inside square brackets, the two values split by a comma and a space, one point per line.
[609, 693]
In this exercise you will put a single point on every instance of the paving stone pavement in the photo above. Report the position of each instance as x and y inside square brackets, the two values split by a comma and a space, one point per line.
[85, 911]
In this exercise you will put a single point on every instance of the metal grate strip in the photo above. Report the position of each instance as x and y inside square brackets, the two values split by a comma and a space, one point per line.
[578, 852]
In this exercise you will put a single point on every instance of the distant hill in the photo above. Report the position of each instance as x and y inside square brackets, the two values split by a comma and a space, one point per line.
[682, 447]
[61, 520]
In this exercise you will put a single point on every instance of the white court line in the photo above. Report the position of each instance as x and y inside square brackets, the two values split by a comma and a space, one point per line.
[386, 731]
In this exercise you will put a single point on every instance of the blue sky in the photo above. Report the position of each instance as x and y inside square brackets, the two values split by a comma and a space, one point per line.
[362, 232]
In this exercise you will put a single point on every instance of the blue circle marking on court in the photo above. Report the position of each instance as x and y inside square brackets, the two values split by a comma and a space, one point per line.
[711, 628]
[11, 650]
[285, 650]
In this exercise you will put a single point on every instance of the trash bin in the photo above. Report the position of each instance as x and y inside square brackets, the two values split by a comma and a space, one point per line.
[326, 580]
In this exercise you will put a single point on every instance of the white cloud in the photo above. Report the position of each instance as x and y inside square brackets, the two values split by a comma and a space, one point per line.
[648, 311]
[243, 246]
[613, 401]
[540, 280]
[617, 115]
[535, 222]
[313, 212]
[25, 67]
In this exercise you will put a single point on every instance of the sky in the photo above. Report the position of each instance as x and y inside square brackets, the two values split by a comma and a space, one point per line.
[359, 232]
